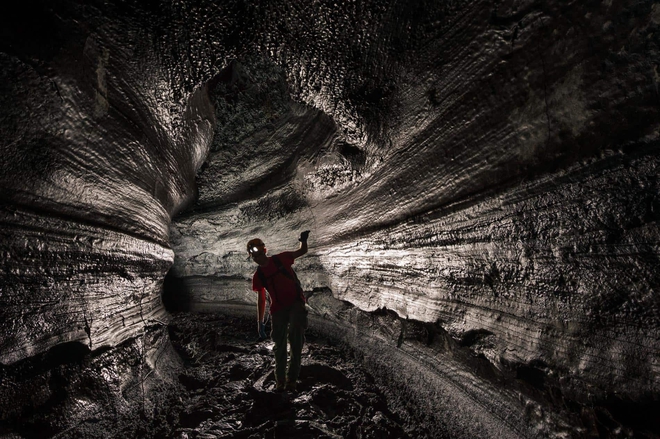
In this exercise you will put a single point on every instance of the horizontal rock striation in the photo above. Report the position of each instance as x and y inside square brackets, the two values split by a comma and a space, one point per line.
[496, 175]
[487, 167]
[560, 272]
[68, 282]
[99, 150]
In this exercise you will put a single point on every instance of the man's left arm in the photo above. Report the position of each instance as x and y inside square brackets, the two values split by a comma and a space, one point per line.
[303, 245]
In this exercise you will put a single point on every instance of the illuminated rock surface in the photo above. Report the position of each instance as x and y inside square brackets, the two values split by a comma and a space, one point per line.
[480, 181]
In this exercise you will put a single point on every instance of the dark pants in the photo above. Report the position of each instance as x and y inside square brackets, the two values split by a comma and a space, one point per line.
[290, 321]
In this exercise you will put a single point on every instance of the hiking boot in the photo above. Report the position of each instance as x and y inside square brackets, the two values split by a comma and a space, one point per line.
[279, 386]
[290, 386]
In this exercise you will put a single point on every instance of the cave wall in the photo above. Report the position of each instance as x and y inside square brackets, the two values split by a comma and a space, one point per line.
[489, 167]
[99, 151]
[492, 168]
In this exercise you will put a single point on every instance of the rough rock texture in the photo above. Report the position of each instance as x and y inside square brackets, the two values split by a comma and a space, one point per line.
[229, 385]
[490, 168]
[99, 151]
[503, 184]
[68, 392]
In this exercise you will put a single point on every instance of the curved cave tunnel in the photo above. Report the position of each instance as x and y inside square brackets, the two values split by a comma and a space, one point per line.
[480, 179]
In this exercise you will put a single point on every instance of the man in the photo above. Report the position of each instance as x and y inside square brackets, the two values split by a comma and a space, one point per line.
[287, 306]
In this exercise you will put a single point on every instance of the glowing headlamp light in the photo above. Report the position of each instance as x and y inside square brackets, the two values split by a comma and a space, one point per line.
[254, 250]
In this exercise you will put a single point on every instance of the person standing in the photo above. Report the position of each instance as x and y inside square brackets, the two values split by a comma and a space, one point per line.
[287, 307]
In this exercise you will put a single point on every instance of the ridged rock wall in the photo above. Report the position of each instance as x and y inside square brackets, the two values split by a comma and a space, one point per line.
[552, 273]
[487, 167]
[98, 152]
[493, 169]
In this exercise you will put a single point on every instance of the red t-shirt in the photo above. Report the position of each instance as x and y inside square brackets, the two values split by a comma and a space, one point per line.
[283, 290]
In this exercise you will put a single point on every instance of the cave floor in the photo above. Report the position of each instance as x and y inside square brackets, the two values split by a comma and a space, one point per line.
[229, 388]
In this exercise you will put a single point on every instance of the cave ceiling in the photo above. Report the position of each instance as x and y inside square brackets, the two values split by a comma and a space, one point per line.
[490, 167]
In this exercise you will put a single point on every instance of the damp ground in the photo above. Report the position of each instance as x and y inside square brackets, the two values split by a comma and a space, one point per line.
[230, 389]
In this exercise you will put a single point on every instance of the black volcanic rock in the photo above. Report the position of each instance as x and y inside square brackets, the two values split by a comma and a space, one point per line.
[479, 178]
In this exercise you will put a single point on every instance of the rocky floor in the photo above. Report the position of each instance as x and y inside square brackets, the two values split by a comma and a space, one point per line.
[228, 377]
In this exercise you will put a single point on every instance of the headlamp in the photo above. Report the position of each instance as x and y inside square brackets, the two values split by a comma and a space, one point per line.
[256, 246]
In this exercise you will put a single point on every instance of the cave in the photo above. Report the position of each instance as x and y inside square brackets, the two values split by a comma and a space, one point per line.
[480, 180]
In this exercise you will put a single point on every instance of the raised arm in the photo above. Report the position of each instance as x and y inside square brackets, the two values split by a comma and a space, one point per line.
[303, 245]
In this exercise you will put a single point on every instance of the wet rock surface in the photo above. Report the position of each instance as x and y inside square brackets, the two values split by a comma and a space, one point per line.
[229, 388]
